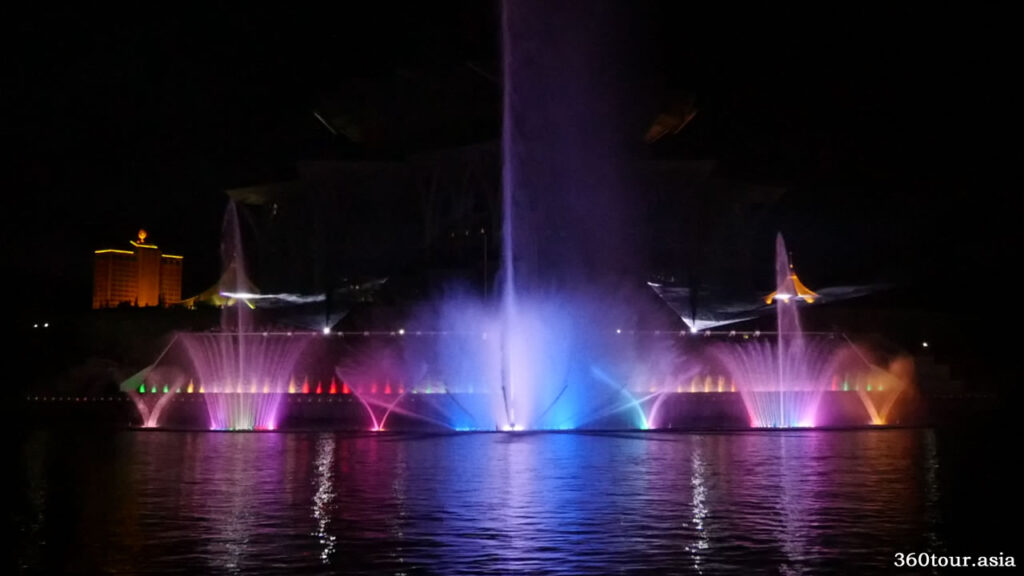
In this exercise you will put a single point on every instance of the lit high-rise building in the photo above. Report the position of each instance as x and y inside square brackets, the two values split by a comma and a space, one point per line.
[142, 276]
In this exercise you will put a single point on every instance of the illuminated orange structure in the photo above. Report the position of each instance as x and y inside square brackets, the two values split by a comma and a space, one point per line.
[143, 276]
[802, 292]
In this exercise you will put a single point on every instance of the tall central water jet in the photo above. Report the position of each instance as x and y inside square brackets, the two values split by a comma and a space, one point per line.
[565, 247]
[557, 349]
[508, 283]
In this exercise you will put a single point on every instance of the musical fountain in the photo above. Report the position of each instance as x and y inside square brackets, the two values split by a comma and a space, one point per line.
[783, 380]
[242, 375]
[560, 347]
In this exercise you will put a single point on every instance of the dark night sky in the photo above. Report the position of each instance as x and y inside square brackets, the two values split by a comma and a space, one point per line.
[894, 118]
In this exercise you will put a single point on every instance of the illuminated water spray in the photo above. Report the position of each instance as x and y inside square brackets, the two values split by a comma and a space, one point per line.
[782, 380]
[562, 212]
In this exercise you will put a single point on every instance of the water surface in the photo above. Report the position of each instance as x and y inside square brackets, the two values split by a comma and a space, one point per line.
[555, 503]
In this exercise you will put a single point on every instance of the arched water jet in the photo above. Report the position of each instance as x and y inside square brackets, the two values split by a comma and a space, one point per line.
[877, 388]
[384, 419]
[652, 415]
[366, 405]
[150, 415]
[623, 389]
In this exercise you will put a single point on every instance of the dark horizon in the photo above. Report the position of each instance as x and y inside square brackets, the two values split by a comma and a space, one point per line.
[126, 122]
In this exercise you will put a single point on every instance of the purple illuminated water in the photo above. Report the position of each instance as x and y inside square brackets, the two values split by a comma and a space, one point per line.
[782, 381]
[811, 502]
[557, 349]
[559, 364]
[245, 374]
[241, 375]
[549, 351]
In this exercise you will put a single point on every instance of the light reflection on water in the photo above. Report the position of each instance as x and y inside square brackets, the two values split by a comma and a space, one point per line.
[323, 500]
[794, 502]
[700, 509]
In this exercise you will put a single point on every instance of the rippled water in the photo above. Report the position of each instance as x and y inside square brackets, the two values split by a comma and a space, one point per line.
[634, 503]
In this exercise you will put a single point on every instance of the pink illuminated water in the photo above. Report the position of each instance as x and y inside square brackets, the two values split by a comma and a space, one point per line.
[782, 380]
